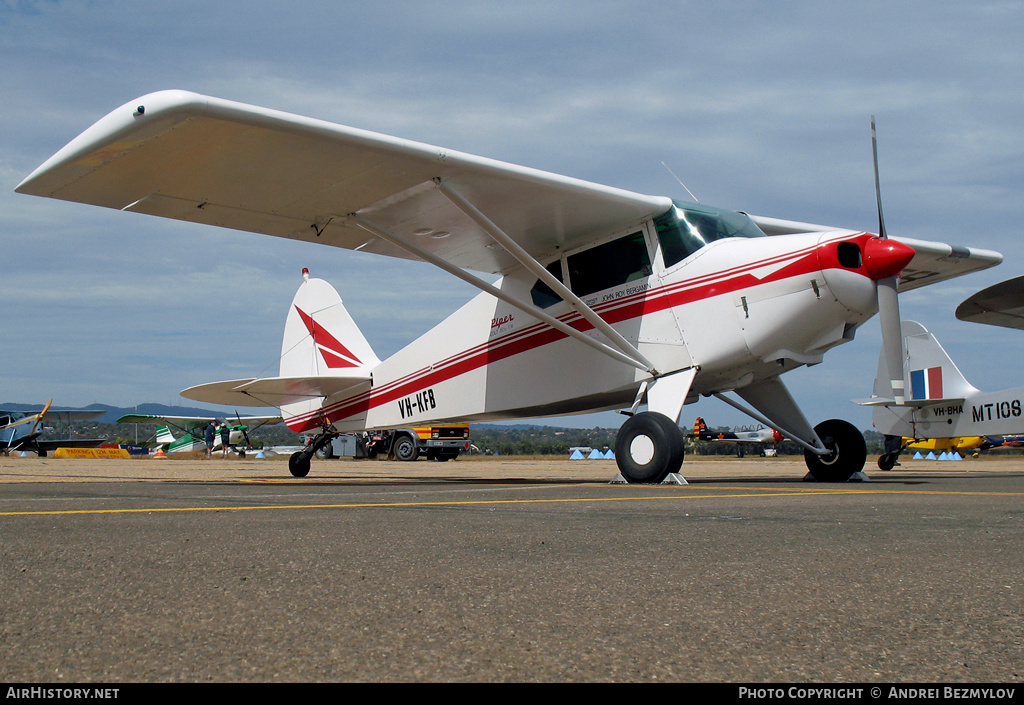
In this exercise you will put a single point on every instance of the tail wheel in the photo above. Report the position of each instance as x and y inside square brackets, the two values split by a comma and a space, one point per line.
[298, 464]
[847, 455]
[405, 449]
[887, 461]
[648, 447]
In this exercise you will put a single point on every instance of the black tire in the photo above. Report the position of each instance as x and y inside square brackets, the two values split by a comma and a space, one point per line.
[325, 452]
[888, 461]
[648, 447]
[848, 455]
[298, 464]
[405, 449]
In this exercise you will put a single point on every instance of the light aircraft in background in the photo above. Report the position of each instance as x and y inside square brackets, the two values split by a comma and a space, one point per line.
[607, 299]
[969, 444]
[20, 431]
[973, 445]
[943, 406]
[945, 411]
[759, 436]
[192, 430]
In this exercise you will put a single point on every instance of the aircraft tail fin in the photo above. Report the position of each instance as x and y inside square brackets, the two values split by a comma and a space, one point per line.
[323, 349]
[930, 372]
[164, 435]
[933, 378]
[320, 337]
[700, 429]
[324, 356]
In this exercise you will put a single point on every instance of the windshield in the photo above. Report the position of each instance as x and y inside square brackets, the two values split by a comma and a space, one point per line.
[687, 227]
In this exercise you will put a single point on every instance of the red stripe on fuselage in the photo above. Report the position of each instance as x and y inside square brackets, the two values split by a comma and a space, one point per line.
[540, 334]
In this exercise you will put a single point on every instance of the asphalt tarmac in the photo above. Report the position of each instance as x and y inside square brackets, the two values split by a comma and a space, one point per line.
[232, 571]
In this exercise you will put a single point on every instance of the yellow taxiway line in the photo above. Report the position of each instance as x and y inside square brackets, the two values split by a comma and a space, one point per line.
[734, 492]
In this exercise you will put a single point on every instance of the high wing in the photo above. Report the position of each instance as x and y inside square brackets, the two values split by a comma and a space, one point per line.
[60, 415]
[68, 415]
[207, 160]
[193, 421]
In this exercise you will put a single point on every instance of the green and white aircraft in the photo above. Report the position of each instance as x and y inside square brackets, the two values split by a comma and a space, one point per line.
[192, 430]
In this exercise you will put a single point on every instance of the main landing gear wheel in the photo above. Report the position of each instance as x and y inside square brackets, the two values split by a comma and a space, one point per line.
[298, 464]
[648, 447]
[847, 456]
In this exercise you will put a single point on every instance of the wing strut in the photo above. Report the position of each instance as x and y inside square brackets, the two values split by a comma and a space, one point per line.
[524, 257]
[818, 449]
[452, 269]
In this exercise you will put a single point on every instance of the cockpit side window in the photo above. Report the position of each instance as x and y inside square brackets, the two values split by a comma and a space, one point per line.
[542, 294]
[686, 228]
[617, 262]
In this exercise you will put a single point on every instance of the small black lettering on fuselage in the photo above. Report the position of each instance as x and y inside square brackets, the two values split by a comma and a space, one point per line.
[948, 410]
[418, 403]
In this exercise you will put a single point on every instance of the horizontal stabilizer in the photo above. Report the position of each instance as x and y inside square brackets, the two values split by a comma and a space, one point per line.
[916, 403]
[275, 391]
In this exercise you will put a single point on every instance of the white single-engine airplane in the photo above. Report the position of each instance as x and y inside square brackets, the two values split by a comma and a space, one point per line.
[608, 299]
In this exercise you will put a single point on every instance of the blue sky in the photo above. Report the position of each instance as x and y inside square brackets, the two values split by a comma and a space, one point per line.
[757, 106]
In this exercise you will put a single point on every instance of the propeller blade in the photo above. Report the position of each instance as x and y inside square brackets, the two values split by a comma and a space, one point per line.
[878, 187]
[888, 298]
[245, 433]
[39, 417]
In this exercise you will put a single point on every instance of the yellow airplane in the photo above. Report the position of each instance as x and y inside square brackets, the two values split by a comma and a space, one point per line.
[959, 443]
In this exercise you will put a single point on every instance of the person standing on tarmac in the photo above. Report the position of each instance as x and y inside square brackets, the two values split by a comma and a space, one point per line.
[211, 433]
[225, 437]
